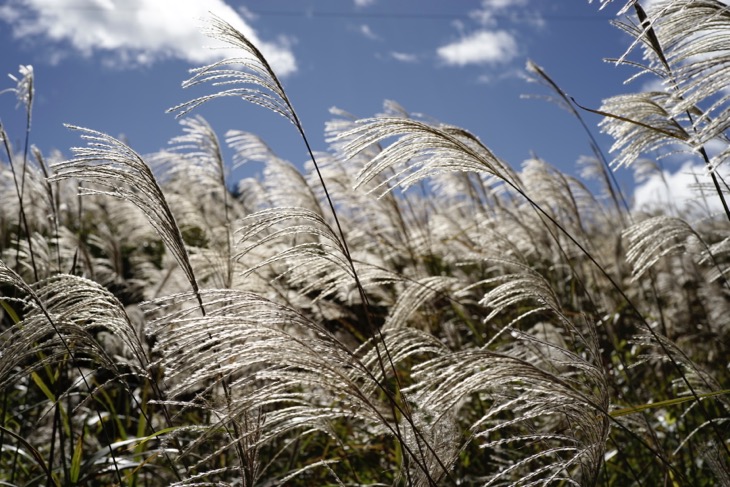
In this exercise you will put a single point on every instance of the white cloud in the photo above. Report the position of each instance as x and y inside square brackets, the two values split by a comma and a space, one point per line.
[654, 85]
[364, 3]
[368, 32]
[678, 190]
[404, 57]
[496, 4]
[487, 13]
[481, 47]
[139, 32]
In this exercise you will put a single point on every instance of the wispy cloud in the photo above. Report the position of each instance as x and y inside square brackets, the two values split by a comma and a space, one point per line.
[489, 9]
[480, 47]
[503, 74]
[366, 31]
[364, 3]
[404, 57]
[137, 32]
[497, 4]
[519, 11]
[9, 13]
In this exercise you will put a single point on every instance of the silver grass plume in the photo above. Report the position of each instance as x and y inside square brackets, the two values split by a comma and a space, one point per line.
[281, 367]
[79, 309]
[258, 84]
[124, 174]
[208, 205]
[283, 183]
[653, 238]
[261, 86]
[641, 123]
[251, 70]
[402, 216]
[565, 197]
[565, 412]
[197, 155]
[692, 36]
[58, 319]
[536, 382]
[421, 150]
[623, 9]
[314, 249]
[24, 86]
[414, 295]
[379, 229]
[298, 245]
[37, 206]
[692, 63]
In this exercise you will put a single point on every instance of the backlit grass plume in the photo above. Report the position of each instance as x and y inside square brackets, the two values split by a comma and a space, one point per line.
[123, 174]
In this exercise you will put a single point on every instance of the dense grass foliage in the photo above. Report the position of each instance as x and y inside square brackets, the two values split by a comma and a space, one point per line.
[408, 310]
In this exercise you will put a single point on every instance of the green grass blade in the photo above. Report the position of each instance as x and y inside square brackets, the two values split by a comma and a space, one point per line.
[76, 460]
[669, 402]
[10, 311]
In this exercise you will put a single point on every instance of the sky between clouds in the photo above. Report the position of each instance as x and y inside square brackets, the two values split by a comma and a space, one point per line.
[134, 34]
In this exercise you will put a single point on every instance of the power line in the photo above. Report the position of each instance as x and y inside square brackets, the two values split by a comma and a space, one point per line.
[332, 14]
[417, 16]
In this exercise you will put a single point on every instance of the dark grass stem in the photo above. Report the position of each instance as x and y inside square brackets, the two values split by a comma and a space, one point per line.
[52, 202]
[611, 183]
[657, 48]
[22, 218]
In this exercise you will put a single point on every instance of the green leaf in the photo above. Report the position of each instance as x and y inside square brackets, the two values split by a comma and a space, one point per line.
[43, 387]
[10, 311]
[669, 402]
[76, 460]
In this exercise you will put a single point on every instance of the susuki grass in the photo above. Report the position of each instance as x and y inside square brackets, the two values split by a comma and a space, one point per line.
[409, 309]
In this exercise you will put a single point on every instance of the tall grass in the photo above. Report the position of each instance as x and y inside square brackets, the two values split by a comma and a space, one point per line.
[410, 309]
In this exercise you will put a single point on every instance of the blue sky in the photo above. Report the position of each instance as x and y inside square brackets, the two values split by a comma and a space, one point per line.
[117, 65]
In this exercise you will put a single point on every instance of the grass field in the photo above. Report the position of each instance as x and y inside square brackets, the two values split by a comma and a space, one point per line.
[407, 310]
